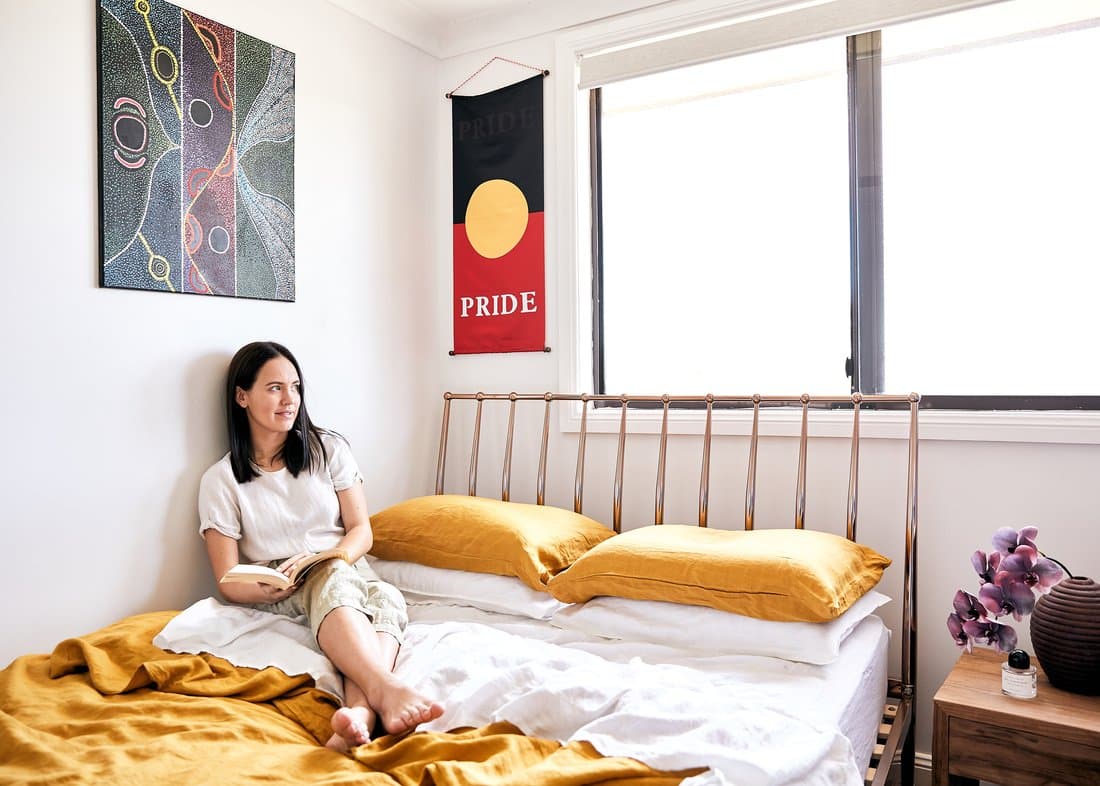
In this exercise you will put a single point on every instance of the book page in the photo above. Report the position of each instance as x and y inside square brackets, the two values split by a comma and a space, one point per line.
[256, 574]
[266, 575]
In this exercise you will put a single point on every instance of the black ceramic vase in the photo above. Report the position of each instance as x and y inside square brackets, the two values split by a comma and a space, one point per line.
[1065, 632]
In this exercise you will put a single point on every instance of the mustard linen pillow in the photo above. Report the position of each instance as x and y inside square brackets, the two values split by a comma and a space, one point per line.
[530, 542]
[785, 575]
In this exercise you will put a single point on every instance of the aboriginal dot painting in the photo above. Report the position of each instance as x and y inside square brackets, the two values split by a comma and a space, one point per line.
[196, 133]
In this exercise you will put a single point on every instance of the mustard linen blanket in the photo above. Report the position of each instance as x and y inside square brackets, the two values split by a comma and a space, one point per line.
[112, 708]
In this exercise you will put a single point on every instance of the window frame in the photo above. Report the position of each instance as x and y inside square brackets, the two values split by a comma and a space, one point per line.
[866, 363]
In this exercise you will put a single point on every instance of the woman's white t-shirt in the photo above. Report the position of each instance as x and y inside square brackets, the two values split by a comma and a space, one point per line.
[277, 515]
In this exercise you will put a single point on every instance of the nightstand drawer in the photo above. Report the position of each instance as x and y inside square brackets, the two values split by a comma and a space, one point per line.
[1003, 755]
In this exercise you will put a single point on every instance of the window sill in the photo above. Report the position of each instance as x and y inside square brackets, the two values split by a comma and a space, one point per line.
[1055, 427]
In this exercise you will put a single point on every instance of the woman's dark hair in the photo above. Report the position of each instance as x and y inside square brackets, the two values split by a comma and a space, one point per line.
[303, 448]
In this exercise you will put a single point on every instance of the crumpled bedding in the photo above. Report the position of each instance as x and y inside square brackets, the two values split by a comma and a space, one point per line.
[112, 708]
[750, 720]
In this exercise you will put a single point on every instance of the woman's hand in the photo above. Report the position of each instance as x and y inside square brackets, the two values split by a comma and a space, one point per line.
[223, 555]
[273, 594]
[286, 567]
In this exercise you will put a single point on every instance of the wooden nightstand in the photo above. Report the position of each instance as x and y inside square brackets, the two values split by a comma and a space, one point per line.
[979, 733]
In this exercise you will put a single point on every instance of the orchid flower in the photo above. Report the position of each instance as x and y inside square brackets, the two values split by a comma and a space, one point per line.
[1003, 637]
[1009, 578]
[1011, 597]
[986, 566]
[1024, 565]
[967, 607]
[1006, 540]
[955, 626]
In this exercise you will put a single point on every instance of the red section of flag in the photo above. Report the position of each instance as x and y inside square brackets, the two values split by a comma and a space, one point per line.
[499, 303]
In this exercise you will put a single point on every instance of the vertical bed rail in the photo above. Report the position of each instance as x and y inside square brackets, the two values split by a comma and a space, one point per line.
[620, 460]
[800, 485]
[750, 481]
[441, 463]
[474, 448]
[662, 454]
[704, 471]
[909, 611]
[909, 599]
[853, 471]
[506, 472]
[582, 438]
[541, 490]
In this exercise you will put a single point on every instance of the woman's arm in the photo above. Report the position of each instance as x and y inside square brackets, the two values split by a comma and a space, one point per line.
[358, 537]
[223, 554]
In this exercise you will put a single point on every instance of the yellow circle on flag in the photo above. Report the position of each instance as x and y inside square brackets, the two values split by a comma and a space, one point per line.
[496, 218]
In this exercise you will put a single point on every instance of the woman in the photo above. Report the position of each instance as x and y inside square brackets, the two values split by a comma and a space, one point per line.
[287, 489]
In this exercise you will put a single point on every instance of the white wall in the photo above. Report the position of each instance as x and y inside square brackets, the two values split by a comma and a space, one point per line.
[112, 398]
[967, 488]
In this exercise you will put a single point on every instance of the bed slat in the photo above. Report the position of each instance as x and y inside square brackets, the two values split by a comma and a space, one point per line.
[889, 764]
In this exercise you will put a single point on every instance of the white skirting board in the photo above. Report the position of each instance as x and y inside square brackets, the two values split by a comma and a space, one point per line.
[922, 769]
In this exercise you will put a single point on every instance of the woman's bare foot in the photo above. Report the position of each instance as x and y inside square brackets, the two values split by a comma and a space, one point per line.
[351, 726]
[402, 709]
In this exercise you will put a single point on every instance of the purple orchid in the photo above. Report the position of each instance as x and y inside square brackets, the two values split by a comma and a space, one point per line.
[955, 626]
[1011, 597]
[986, 566]
[993, 634]
[1006, 540]
[967, 607]
[1009, 578]
[1025, 566]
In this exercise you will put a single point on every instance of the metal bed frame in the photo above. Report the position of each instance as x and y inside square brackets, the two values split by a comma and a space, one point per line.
[893, 758]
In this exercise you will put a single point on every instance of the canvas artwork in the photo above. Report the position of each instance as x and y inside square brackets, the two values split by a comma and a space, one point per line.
[196, 155]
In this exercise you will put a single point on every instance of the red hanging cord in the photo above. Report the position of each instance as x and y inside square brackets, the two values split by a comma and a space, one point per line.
[544, 72]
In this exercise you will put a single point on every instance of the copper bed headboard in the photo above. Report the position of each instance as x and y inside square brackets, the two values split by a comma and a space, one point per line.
[708, 402]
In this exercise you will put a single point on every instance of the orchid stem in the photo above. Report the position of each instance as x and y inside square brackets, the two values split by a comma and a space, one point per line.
[1069, 574]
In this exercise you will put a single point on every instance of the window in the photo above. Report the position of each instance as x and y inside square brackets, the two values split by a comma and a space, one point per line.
[905, 209]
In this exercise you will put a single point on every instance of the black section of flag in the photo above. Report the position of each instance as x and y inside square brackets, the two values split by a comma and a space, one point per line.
[498, 135]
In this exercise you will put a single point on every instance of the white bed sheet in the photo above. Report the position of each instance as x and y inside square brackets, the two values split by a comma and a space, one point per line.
[752, 719]
[846, 695]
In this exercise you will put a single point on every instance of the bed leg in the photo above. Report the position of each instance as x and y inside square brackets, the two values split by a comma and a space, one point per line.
[908, 756]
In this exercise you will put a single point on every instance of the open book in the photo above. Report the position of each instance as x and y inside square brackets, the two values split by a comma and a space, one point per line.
[265, 575]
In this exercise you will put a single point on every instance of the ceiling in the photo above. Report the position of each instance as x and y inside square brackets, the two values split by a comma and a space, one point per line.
[446, 28]
[445, 12]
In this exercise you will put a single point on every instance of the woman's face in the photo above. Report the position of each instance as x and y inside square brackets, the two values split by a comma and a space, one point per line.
[272, 401]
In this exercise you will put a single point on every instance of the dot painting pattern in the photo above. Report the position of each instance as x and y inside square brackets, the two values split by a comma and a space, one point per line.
[196, 155]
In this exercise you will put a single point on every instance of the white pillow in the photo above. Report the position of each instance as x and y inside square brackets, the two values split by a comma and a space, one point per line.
[427, 586]
[702, 628]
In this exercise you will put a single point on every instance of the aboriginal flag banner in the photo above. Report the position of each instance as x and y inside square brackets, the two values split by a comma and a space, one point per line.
[498, 220]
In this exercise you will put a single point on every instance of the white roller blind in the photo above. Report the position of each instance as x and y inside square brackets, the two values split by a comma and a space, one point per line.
[796, 25]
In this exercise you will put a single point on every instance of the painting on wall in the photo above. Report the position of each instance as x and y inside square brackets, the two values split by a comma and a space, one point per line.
[196, 132]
